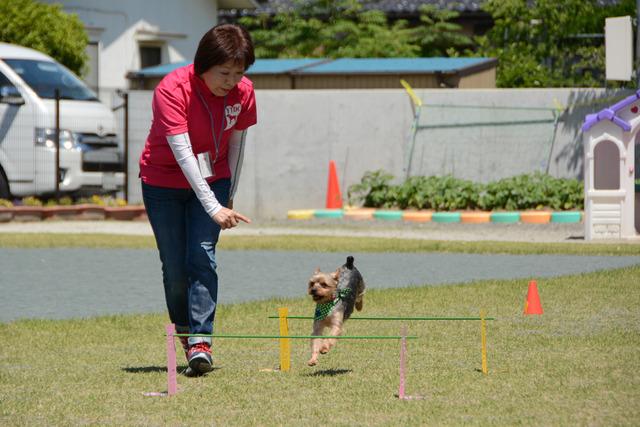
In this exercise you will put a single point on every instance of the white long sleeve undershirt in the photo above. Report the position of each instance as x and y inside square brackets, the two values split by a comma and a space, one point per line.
[181, 147]
[235, 156]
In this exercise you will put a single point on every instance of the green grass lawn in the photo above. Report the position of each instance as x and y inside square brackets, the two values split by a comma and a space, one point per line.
[324, 244]
[577, 364]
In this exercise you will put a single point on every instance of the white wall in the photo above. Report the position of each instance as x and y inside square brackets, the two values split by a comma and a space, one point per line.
[299, 131]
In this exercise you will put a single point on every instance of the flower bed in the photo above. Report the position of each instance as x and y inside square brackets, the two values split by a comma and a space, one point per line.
[94, 208]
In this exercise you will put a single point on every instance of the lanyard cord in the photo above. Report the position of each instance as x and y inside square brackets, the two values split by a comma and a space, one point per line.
[218, 140]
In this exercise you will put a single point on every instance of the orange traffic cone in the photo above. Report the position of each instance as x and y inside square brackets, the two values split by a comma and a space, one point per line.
[532, 305]
[334, 198]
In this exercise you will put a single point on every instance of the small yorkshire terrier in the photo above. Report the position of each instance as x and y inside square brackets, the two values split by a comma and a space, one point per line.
[335, 295]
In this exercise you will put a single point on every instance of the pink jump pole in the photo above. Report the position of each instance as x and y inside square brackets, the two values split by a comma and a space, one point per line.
[403, 356]
[403, 367]
[172, 380]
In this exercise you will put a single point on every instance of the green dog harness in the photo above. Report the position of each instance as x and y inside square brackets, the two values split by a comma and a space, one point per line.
[324, 309]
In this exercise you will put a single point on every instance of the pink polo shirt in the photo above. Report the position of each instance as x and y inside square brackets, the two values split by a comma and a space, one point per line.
[182, 102]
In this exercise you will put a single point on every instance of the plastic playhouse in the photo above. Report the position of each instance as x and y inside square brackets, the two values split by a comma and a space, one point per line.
[612, 197]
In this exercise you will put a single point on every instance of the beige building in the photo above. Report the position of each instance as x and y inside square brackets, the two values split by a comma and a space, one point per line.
[352, 73]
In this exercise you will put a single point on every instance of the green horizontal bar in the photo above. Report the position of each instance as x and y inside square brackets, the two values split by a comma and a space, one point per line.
[478, 124]
[343, 337]
[394, 318]
[489, 107]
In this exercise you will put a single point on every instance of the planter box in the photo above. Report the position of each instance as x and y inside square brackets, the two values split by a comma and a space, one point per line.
[300, 214]
[417, 216]
[6, 214]
[60, 212]
[328, 213]
[124, 213]
[90, 212]
[475, 217]
[566, 217]
[535, 217]
[359, 213]
[446, 217]
[505, 217]
[389, 215]
[28, 213]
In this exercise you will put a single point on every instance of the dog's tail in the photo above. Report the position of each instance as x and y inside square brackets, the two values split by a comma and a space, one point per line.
[349, 262]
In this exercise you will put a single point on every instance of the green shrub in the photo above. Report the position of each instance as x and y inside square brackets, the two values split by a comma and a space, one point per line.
[4, 203]
[446, 193]
[31, 201]
[374, 190]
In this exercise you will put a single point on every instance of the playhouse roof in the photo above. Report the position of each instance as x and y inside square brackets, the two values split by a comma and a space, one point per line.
[610, 114]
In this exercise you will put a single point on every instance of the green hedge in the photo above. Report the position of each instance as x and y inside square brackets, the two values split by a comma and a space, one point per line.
[446, 193]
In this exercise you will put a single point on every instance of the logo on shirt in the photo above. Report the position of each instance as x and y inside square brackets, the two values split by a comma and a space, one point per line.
[231, 113]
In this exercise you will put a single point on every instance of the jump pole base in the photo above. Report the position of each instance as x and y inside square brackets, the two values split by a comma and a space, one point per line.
[403, 368]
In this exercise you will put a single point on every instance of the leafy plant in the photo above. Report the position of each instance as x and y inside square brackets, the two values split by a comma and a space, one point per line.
[47, 28]
[446, 193]
[31, 201]
[546, 43]
[5, 203]
[63, 201]
[342, 28]
[374, 190]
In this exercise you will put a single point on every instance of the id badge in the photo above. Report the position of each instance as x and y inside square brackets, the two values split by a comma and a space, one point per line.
[204, 162]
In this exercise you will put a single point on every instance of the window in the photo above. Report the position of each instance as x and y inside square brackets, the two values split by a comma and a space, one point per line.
[44, 77]
[150, 56]
[6, 88]
[91, 78]
[606, 157]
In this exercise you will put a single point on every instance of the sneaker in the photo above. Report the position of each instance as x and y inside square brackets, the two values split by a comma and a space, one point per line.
[184, 341]
[199, 357]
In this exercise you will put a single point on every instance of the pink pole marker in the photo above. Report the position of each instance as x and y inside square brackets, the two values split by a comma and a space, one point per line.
[403, 351]
[403, 367]
[172, 377]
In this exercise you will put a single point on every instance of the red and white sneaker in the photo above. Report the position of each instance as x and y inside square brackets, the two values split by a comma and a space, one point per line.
[199, 357]
[184, 341]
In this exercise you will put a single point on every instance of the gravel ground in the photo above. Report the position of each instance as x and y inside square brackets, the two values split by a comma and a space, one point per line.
[432, 231]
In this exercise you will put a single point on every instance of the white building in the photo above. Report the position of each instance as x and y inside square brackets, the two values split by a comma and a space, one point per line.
[127, 35]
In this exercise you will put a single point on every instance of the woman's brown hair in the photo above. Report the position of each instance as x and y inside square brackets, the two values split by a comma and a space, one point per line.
[224, 43]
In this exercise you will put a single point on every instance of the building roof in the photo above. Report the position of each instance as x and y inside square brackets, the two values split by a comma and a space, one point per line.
[397, 65]
[308, 66]
[611, 114]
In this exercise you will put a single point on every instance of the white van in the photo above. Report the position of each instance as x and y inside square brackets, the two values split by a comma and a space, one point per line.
[91, 158]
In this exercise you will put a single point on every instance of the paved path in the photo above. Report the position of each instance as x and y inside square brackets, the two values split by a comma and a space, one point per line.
[432, 231]
[78, 282]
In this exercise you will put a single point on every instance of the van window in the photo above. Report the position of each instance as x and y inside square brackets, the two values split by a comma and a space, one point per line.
[4, 81]
[44, 77]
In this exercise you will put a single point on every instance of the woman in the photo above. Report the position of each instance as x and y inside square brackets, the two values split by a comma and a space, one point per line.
[189, 170]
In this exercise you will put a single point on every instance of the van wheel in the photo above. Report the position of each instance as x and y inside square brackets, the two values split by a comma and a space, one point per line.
[4, 186]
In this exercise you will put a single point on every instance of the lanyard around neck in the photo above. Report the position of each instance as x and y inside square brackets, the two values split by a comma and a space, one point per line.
[218, 140]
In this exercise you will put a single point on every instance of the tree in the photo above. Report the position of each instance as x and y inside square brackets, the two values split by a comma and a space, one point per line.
[341, 28]
[45, 28]
[546, 43]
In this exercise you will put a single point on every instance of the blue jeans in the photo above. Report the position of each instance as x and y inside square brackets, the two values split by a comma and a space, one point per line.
[186, 237]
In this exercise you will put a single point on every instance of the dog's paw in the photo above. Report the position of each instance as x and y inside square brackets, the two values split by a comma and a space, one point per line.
[312, 362]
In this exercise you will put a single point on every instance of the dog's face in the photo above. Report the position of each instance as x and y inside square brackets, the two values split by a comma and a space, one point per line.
[322, 286]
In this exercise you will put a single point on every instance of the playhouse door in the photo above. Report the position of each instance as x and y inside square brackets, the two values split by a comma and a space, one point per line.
[636, 168]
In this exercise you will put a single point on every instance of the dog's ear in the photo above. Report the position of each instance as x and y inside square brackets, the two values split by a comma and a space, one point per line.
[335, 274]
[317, 270]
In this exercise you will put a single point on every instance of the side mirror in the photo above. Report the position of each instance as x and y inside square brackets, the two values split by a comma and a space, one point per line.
[10, 95]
